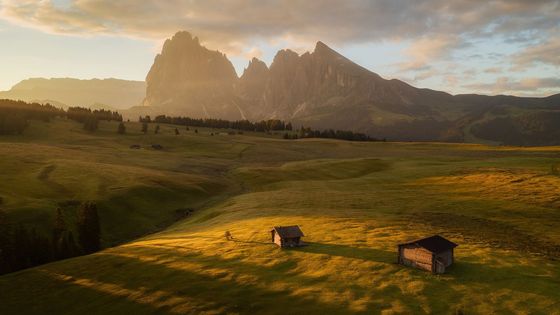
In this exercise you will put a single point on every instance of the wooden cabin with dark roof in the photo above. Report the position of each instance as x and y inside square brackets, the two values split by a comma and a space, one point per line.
[433, 254]
[287, 236]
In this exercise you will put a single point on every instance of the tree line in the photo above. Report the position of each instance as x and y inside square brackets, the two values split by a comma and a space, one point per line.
[330, 134]
[260, 126]
[21, 247]
[245, 125]
[15, 115]
[90, 118]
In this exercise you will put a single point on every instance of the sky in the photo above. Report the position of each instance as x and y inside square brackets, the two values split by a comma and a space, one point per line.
[461, 46]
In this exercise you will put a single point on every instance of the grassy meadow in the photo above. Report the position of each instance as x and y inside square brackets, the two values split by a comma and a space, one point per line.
[354, 201]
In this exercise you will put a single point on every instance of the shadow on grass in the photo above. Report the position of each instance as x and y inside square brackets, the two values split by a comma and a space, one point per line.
[51, 295]
[370, 254]
[519, 278]
[232, 287]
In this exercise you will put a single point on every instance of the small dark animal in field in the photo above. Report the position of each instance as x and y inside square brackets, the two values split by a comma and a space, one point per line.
[157, 147]
[135, 146]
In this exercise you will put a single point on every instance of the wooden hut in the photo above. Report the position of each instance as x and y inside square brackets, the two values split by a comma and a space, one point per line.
[433, 253]
[287, 236]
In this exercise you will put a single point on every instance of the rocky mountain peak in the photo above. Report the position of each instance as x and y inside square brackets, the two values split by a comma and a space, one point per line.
[186, 72]
[321, 47]
[253, 81]
[255, 69]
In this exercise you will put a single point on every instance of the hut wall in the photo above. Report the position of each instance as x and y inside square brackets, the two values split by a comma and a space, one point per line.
[415, 256]
[290, 242]
[446, 257]
[276, 238]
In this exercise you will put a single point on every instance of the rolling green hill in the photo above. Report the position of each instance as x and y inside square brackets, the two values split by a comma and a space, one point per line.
[354, 201]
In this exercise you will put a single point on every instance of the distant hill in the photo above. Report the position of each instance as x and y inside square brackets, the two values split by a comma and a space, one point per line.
[105, 93]
[323, 89]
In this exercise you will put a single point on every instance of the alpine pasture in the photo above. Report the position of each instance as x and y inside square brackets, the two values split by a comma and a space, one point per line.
[355, 201]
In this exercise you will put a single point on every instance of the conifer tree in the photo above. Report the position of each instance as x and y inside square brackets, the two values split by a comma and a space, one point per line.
[91, 123]
[156, 130]
[122, 128]
[58, 233]
[144, 127]
[88, 228]
[176, 131]
[39, 249]
[6, 245]
[22, 246]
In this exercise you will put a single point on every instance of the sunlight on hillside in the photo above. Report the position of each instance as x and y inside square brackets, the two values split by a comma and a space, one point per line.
[354, 205]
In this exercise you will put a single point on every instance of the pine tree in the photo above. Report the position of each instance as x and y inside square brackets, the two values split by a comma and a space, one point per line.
[302, 132]
[144, 127]
[39, 249]
[122, 128]
[88, 228]
[156, 130]
[58, 232]
[22, 246]
[67, 246]
[91, 123]
[73, 249]
[6, 244]
[176, 131]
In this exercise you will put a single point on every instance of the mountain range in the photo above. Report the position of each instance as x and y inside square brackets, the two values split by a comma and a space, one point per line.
[319, 89]
[63, 92]
[323, 89]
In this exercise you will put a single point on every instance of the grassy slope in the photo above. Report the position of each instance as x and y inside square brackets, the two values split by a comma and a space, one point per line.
[354, 202]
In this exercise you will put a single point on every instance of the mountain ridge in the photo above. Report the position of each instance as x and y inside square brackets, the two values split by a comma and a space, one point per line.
[113, 93]
[324, 89]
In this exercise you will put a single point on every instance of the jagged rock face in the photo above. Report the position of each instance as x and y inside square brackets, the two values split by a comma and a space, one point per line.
[189, 79]
[323, 86]
[253, 81]
[321, 89]
[326, 84]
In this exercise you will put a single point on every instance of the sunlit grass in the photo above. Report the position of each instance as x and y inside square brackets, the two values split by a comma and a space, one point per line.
[354, 201]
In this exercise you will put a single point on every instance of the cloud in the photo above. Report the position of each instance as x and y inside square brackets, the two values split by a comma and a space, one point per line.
[253, 52]
[427, 49]
[437, 32]
[527, 86]
[228, 23]
[493, 70]
[546, 53]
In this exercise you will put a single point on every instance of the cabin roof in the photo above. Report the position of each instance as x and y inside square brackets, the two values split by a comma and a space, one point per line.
[288, 231]
[435, 244]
